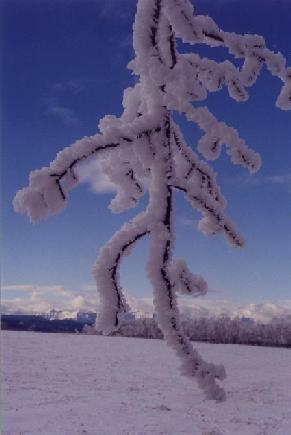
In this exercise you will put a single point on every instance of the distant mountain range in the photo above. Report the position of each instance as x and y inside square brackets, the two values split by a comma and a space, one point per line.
[39, 323]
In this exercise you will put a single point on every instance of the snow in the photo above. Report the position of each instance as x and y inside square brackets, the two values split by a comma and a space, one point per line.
[78, 384]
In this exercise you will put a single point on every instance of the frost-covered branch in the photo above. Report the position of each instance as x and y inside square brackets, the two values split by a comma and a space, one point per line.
[189, 167]
[185, 282]
[145, 148]
[214, 221]
[106, 272]
[49, 187]
[201, 29]
[217, 133]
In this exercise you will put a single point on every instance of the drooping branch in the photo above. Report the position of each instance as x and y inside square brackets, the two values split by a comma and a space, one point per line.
[212, 75]
[106, 272]
[195, 167]
[217, 133]
[185, 282]
[215, 221]
[48, 187]
[127, 177]
[251, 48]
[204, 194]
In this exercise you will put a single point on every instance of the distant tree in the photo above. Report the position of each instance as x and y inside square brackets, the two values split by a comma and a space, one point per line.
[222, 329]
[141, 327]
[145, 143]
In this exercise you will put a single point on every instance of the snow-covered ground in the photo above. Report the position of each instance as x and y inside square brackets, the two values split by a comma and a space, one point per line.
[75, 384]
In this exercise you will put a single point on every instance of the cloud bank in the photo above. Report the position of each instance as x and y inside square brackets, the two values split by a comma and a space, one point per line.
[34, 299]
[91, 172]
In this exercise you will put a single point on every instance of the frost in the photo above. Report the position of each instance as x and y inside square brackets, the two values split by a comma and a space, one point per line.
[145, 147]
[185, 281]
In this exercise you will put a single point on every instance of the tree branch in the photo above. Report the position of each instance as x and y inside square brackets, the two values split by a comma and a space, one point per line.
[105, 271]
[209, 209]
[238, 150]
[195, 166]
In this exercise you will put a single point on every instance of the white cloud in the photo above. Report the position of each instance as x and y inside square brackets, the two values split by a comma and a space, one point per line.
[143, 306]
[15, 287]
[57, 290]
[41, 299]
[56, 100]
[200, 307]
[65, 114]
[31, 305]
[88, 287]
[283, 181]
[192, 223]
[91, 172]
[263, 312]
[73, 86]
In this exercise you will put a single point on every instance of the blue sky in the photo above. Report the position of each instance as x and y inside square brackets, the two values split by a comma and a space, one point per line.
[63, 68]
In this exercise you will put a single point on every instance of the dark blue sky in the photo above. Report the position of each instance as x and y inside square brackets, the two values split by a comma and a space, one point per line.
[64, 67]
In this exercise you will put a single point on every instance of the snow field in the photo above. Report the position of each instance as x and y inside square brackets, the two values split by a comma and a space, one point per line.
[76, 384]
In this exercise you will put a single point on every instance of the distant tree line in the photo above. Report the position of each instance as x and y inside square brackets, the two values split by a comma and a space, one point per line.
[219, 330]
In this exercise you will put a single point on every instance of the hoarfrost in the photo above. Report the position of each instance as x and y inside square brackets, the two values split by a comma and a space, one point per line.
[145, 145]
